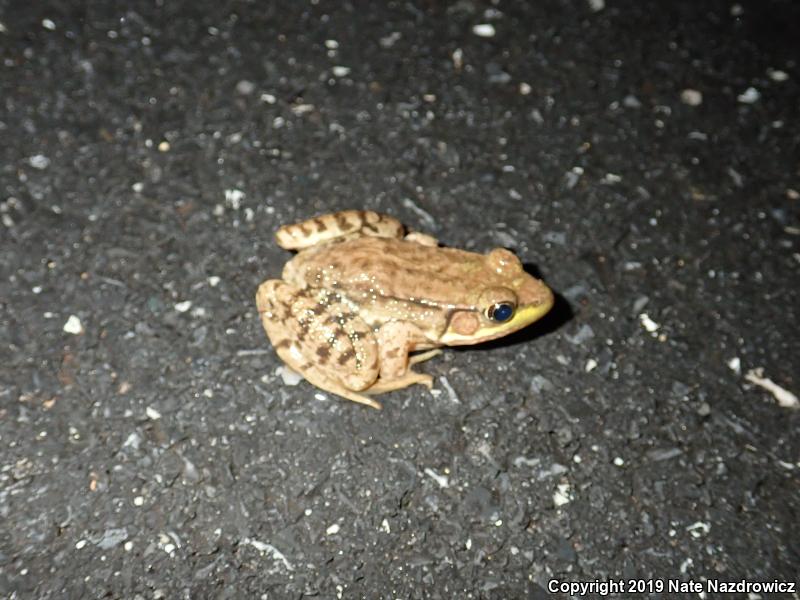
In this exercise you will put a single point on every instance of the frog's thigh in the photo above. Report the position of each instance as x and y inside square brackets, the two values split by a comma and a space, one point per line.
[318, 336]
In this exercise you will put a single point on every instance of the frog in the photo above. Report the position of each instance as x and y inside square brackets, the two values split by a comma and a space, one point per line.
[363, 301]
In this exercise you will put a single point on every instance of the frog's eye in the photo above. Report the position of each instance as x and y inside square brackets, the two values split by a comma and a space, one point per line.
[500, 312]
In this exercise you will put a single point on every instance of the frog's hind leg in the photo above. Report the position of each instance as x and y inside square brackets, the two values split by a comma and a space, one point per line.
[336, 225]
[319, 337]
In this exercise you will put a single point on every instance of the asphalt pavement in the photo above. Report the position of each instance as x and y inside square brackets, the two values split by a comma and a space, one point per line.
[642, 158]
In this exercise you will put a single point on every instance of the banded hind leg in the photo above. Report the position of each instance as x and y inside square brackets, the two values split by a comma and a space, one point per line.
[315, 333]
[345, 223]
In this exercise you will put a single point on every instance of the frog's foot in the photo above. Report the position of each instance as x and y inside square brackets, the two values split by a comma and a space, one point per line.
[400, 382]
[322, 381]
[422, 238]
[414, 359]
[337, 225]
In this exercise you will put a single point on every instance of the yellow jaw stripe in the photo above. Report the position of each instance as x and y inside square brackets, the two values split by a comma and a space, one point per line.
[522, 318]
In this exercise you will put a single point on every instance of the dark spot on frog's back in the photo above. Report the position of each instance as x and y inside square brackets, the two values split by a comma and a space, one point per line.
[324, 353]
[345, 356]
[320, 225]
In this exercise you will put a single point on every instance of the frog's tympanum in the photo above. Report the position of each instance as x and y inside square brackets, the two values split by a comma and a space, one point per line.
[360, 296]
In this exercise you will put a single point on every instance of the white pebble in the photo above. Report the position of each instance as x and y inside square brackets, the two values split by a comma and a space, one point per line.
[39, 161]
[332, 530]
[73, 325]
[777, 75]
[597, 5]
[340, 71]
[591, 365]
[750, 96]
[245, 87]
[648, 323]
[288, 376]
[735, 365]
[485, 30]
[138, 501]
[48, 24]
[458, 58]
[562, 495]
[234, 198]
[184, 306]
[618, 461]
[525, 88]
[268, 98]
[213, 281]
[331, 44]
[80, 544]
[152, 413]
[691, 97]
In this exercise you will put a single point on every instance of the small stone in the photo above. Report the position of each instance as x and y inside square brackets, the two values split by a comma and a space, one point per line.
[268, 98]
[691, 97]
[184, 306]
[331, 44]
[777, 75]
[163, 146]
[735, 365]
[648, 323]
[213, 281]
[39, 161]
[562, 495]
[73, 325]
[245, 87]
[485, 30]
[48, 24]
[332, 530]
[596, 5]
[525, 88]
[750, 96]
[631, 101]
[152, 413]
[340, 71]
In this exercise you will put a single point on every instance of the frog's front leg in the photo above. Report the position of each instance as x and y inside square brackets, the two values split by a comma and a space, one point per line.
[395, 340]
[317, 335]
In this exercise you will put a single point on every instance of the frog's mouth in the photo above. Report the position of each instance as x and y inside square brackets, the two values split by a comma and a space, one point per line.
[489, 331]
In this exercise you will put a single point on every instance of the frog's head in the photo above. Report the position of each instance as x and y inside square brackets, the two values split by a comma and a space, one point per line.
[508, 300]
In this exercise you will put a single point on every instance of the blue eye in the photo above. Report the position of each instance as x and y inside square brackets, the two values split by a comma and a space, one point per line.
[500, 312]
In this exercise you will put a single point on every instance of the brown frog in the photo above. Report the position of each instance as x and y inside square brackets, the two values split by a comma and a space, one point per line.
[360, 296]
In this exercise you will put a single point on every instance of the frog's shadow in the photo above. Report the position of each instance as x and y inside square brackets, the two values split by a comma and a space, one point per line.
[560, 314]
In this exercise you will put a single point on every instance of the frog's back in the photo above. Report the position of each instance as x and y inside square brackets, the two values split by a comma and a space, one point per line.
[391, 268]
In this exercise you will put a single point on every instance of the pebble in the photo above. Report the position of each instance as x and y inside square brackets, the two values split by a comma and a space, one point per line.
[73, 325]
[184, 306]
[777, 75]
[39, 161]
[485, 30]
[750, 96]
[245, 87]
[691, 97]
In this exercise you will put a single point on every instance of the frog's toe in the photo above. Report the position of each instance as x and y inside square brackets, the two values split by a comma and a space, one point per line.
[398, 383]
